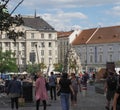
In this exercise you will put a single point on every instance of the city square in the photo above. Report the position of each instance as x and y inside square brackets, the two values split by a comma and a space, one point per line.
[78, 39]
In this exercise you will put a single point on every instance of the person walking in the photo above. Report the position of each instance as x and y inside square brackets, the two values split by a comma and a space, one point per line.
[65, 89]
[110, 87]
[52, 85]
[116, 100]
[84, 80]
[75, 85]
[14, 91]
[40, 91]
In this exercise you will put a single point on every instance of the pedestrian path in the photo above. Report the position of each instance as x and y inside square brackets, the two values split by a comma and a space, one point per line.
[92, 101]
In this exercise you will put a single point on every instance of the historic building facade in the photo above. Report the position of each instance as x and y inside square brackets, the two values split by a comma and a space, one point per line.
[97, 46]
[38, 45]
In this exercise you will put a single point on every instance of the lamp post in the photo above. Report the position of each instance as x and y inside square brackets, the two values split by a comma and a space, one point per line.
[86, 59]
[19, 58]
[37, 56]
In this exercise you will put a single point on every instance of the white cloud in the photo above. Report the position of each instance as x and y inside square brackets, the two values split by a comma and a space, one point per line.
[47, 4]
[115, 11]
[62, 20]
[61, 14]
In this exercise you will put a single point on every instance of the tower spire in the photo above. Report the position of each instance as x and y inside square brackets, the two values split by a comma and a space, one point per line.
[35, 13]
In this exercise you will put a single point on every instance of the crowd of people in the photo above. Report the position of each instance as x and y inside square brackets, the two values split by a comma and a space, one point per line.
[67, 85]
[46, 88]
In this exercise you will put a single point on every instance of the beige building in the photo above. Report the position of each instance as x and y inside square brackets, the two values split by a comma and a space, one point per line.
[38, 45]
[65, 52]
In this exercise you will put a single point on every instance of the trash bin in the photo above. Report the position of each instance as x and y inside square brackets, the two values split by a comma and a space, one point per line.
[27, 91]
[84, 91]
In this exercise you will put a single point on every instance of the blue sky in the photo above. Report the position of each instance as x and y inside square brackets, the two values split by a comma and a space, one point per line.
[65, 15]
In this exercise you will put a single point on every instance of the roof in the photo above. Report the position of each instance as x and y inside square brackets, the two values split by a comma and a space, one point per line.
[64, 34]
[102, 35]
[83, 36]
[37, 23]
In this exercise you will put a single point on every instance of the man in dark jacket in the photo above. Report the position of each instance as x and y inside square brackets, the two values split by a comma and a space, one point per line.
[14, 91]
[52, 84]
[110, 87]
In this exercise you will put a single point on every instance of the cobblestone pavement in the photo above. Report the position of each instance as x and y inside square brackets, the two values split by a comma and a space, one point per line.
[92, 101]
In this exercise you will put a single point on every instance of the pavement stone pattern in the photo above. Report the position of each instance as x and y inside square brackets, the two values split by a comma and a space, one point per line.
[92, 101]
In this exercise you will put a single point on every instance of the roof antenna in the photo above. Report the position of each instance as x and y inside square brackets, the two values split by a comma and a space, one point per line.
[35, 13]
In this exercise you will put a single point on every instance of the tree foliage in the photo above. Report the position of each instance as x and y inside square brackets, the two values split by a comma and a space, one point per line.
[9, 22]
[33, 68]
[58, 67]
[7, 62]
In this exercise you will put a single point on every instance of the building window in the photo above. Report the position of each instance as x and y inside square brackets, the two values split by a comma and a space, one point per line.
[7, 44]
[50, 52]
[67, 43]
[42, 52]
[50, 60]
[23, 44]
[42, 60]
[32, 44]
[100, 58]
[119, 56]
[85, 59]
[100, 49]
[32, 57]
[91, 49]
[15, 53]
[32, 35]
[6, 37]
[110, 49]
[42, 36]
[14, 44]
[50, 44]
[110, 58]
[91, 58]
[23, 61]
[50, 36]
[42, 44]
[23, 53]
[119, 48]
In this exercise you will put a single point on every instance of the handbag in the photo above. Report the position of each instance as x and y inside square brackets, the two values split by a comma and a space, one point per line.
[58, 92]
[47, 86]
[21, 101]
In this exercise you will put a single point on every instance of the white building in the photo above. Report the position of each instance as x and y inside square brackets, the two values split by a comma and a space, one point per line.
[64, 47]
[39, 44]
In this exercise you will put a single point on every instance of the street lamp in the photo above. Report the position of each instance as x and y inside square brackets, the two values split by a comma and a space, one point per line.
[19, 58]
[37, 56]
[86, 59]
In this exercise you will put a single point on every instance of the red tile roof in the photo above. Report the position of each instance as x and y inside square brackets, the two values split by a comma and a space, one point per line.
[102, 35]
[83, 36]
[64, 34]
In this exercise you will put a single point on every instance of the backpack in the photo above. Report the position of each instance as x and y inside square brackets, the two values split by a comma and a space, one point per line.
[112, 83]
[52, 80]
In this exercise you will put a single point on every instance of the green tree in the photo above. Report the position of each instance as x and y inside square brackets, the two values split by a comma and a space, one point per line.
[8, 22]
[7, 62]
[42, 66]
[33, 68]
[58, 67]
